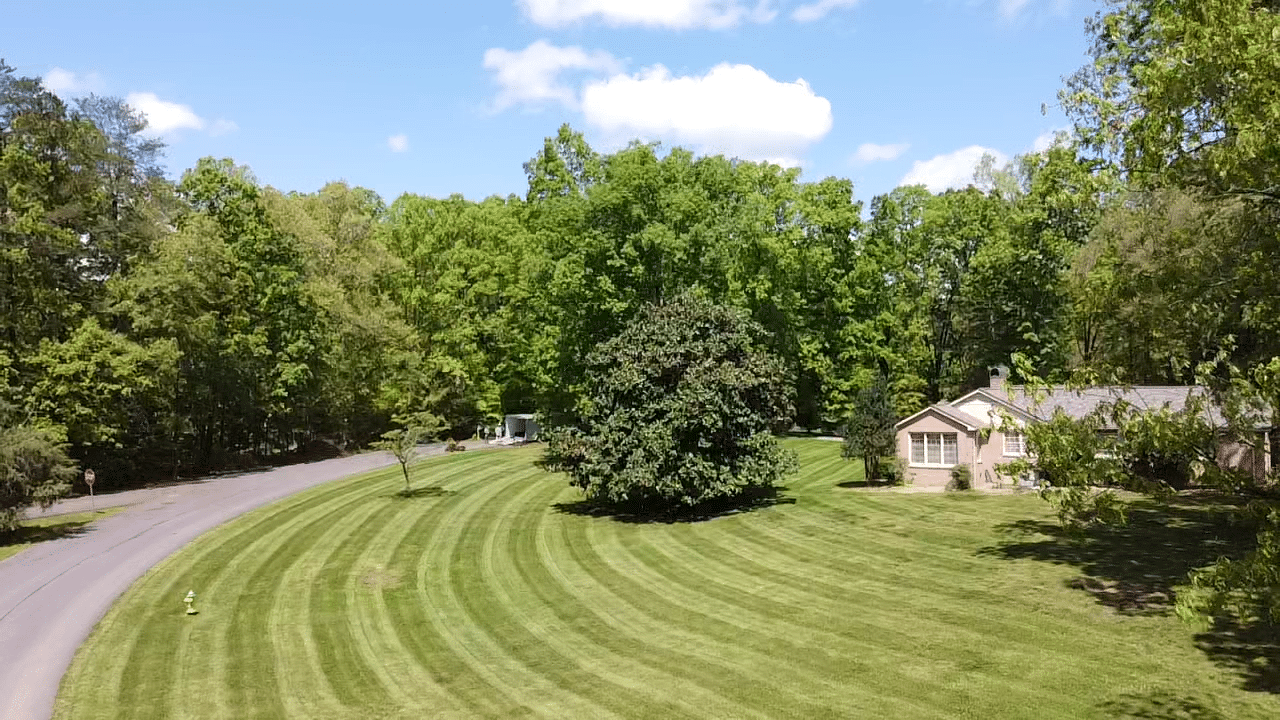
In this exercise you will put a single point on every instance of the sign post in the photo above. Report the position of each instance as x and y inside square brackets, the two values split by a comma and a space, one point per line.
[89, 477]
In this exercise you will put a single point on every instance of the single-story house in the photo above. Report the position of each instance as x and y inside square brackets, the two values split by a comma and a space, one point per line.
[968, 430]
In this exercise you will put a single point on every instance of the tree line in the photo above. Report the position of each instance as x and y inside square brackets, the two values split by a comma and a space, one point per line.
[161, 328]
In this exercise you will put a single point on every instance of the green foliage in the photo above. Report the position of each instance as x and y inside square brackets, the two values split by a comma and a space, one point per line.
[34, 468]
[104, 388]
[1183, 92]
[961, 478]
[868, 430]
[681, 411]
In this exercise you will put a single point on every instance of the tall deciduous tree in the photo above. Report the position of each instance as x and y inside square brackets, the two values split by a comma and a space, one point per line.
[1183, 91]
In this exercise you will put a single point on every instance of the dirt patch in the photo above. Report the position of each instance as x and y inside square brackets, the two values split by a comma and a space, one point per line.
[380, 578]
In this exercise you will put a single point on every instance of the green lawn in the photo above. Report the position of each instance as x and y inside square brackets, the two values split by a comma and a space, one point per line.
[479, 597]
[41, 529]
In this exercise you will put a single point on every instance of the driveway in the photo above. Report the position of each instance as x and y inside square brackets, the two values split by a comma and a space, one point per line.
[52, 595]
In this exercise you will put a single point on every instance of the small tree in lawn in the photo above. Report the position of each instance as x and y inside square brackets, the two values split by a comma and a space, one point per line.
[680, 411]
[403, 442]
[868, 431]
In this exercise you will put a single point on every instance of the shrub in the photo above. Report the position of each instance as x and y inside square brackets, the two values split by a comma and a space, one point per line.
[893, 470]
[961, 478]
[454, 446]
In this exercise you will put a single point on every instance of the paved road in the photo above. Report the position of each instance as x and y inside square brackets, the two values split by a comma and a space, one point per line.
[53, 594]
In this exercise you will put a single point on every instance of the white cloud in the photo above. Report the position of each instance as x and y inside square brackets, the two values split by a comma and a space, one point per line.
[953, 170]
[1010, 8]
[819, 10]
[164, 117]
[65, 82]
[533, 74]
[398, 143]
[733, 109]
[871, 152]
[674, 14]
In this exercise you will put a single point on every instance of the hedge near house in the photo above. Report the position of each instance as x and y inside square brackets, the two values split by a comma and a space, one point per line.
[681, 410]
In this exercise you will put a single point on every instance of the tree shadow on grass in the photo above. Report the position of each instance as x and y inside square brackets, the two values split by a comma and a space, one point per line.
[1133, 568]
[1161, 705]
[1250, 650]
[866, 484]
[422, 492]
[753, 499]
[31, 534]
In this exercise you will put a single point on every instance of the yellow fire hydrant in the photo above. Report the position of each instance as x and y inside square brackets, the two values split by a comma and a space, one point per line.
[190, 600]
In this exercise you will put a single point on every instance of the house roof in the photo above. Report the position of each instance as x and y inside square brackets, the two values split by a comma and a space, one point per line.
[966, 420]
[1077, 403]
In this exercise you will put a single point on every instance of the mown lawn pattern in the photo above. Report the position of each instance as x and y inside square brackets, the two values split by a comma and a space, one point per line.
[479, 597]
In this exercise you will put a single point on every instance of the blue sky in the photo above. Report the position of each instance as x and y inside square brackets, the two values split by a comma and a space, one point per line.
[438, 98]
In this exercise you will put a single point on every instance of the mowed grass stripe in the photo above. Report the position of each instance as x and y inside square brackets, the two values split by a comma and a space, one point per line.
[955, 598]
[482, 600]
[408, 685]
[306, 690]
[706, 642]
[528, 630]
[116, 672]
[626, 645]
[759, 632]
[458, 688]
[818, 597]
[633, 623]
[146, 677]
[489, 680]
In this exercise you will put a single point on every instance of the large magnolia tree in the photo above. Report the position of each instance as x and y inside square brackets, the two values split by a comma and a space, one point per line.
[681, 410]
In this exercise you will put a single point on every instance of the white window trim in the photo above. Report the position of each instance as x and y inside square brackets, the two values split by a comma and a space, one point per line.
[911, 454]
[1019, 434]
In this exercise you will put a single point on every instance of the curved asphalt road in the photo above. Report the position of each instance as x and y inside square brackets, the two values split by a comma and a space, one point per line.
[52, 595]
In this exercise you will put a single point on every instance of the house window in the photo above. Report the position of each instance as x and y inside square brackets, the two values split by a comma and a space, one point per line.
[939, 449]
[1015, 443]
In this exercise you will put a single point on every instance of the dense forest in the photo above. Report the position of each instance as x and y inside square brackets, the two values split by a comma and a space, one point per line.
[155, 328]
[163, 328]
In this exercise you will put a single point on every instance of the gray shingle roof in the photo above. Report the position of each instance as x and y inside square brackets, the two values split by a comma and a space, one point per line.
[1081, 402]
[958, 415]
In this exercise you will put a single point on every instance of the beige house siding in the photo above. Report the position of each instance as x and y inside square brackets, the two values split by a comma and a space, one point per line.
[992, 453]
[1255, 460]
[980, 409]
[933, 475]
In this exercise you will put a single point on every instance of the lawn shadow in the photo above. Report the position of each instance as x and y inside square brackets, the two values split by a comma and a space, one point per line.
[866, 484]
[421, 492]
[1252, 651]
[32, 534]
[1160, 705]
[1134, 568]
[753, 499]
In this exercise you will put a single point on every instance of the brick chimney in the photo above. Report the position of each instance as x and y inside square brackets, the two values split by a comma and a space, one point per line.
[999, 374]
